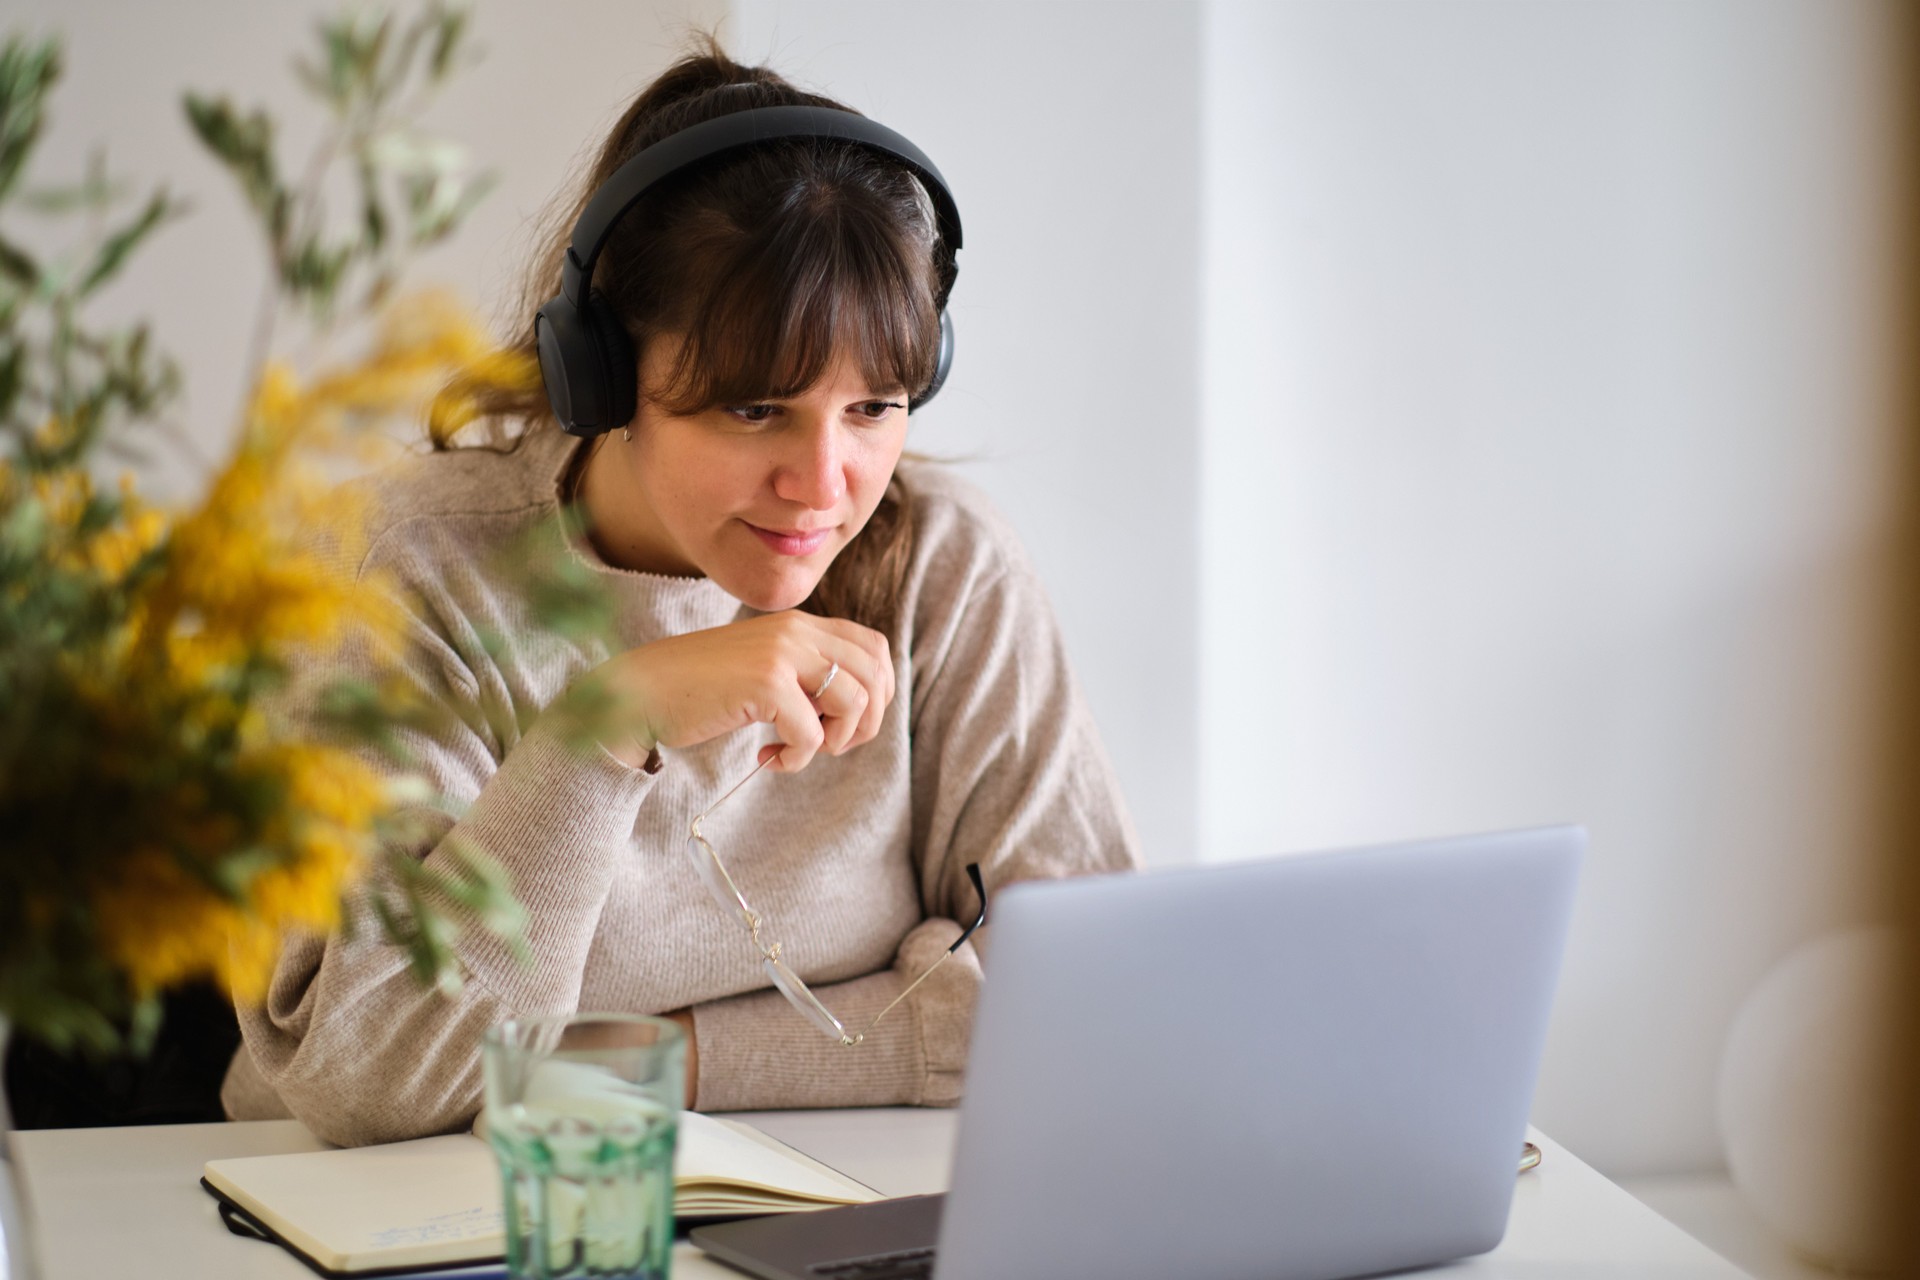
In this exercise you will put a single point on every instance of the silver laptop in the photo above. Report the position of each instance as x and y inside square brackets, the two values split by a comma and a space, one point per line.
[1306, 1067]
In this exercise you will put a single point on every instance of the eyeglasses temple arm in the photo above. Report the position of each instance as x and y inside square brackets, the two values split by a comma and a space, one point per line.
[973, 874]
[980, 891]
[708, 811]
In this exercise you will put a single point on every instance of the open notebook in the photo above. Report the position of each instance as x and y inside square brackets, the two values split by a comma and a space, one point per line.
[436, 1201]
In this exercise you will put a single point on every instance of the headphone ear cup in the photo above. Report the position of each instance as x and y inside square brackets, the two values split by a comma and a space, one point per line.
[942, 365]
[586, 362]
[567, 357]
[619, 372]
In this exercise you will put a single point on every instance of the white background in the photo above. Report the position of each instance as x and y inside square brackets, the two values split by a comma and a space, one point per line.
[1427, 416]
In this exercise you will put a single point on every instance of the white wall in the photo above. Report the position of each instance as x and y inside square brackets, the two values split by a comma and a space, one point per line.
[1547, 477]
[1068, 138]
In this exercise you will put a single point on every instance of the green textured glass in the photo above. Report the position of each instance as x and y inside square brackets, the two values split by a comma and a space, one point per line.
[583, 1113]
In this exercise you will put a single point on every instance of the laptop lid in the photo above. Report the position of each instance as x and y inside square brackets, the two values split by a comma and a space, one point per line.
[1315, 1065]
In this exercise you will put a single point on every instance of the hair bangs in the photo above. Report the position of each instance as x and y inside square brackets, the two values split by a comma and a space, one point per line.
[820, 280]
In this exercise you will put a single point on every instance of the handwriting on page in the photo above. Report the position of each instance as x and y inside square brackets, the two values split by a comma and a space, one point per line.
[464, 1225]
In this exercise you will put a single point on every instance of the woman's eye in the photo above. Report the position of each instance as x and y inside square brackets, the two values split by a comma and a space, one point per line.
[751, 412]
[877, 409]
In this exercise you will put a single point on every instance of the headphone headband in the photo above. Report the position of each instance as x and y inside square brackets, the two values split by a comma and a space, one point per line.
[586, 355]
[632, 180]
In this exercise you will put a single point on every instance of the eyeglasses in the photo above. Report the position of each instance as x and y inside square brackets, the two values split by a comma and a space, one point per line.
[713, 874]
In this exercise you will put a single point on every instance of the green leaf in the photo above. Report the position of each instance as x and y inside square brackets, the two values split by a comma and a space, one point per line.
[338, 38]
[96, 192]
[494, 903]
[493, 642]
[99, 513]
[213, 124]
[17, 266]
[460, 892]
[470, 195]
[24, 530]
[450, 26]
[393, 68]
[12, 357]
[312, 77]
[313, 272]
[354, 45]
[236, 870]
[245, 146]
[27, 74]
[371, 52]
[431, 943]
[373, 218]
[349, 920]
[123, 242]
[85, 1029]
[143, 1027]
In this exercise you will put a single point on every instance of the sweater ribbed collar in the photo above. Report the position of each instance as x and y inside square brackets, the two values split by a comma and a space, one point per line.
[652, 603]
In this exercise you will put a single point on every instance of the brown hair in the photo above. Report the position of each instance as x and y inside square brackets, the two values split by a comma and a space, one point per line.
[768, 261]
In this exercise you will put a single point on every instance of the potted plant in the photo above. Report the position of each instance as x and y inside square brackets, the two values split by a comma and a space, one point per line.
[163, 824]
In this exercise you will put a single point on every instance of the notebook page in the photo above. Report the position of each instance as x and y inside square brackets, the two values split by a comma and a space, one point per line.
[713, 1152]
[402, 1204]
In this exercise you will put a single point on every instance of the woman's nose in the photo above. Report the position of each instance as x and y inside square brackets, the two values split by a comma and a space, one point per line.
[812, 469]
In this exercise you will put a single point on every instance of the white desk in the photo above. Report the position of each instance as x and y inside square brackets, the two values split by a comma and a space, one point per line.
[121, 1202]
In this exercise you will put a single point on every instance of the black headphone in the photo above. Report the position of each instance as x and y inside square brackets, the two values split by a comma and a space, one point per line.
[586, 356]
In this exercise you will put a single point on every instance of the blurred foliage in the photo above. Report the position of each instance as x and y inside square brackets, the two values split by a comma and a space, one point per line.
[374, 76]
[166, 818]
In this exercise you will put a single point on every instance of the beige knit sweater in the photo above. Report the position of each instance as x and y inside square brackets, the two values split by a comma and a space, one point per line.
[987, 754]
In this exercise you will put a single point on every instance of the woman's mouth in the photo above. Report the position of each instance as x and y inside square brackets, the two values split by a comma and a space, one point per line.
[792, 542]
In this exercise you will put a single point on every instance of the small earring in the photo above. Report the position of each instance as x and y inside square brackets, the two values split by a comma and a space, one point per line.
[626, 434]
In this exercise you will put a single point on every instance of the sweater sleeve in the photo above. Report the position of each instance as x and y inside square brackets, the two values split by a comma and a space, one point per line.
[1007, 771]
[347, 1037]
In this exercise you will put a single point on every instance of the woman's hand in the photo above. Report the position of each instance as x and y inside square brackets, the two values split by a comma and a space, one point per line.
[692, 688]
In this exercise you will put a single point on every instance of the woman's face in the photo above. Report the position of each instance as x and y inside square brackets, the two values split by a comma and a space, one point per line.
[758, 497]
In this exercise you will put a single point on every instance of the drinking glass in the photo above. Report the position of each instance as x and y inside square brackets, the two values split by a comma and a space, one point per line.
[583, 1112]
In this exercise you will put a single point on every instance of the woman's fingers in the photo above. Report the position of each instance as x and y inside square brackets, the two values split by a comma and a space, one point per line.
[797, 725]
[866, 654]
[841, 707]
[845, 675]
[691, 688]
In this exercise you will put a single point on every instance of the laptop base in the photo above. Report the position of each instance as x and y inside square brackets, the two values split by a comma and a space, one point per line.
[819, 1243]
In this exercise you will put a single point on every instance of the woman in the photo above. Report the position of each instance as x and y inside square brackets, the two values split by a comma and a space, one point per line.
[770, 562]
